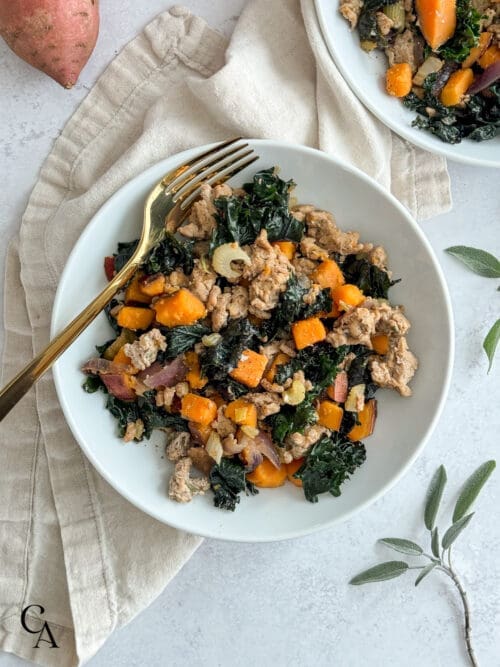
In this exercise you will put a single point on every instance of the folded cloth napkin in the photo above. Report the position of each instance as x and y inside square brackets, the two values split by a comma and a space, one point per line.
[68, 541]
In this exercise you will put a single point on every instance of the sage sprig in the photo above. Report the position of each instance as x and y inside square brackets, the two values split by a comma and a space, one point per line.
[440, 560]
[487, 265]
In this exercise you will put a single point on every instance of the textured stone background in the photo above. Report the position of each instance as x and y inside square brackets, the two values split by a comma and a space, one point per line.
[289, 603]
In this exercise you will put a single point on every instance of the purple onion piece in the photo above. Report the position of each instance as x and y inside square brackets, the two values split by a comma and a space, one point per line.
[265, 446]
[117, 386]
[486, 79]
[99, 366]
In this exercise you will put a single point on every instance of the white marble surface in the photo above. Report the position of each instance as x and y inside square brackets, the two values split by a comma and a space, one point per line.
[289, 603]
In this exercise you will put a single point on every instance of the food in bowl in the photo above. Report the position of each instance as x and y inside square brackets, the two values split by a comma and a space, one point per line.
[257, 336]
[443, 60]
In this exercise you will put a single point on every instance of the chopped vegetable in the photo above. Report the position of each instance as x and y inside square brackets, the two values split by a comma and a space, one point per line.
[307, 332]
[134, 294]
[182, 308]
[266, 475]
[398, 80]
[490, 57]
[242, 412]
[286, 247]
[198, 409]
[132, 317]
[193, 376]
[250, 368]
[330, 415]
[153, 285]
[380, 343]
[456, 87]
[280, 359]
[477, 51]
[291, 469]
[328, 274]
[366, 421]
[437, 19]
[348, 296]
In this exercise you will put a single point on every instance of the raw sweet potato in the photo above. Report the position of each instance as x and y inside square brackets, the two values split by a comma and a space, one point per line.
[398, 80]
[250, 368]
[198, 409]
[183, 307]
[437, 19]
[456, 87]
[55, 36]
[266, 475]
[307, 332]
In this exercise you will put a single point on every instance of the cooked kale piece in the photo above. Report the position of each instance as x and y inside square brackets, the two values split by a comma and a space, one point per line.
[323, 304]
[319, 362]
[182, 338]
[466, 34]
[329, 464]
[170, 254]
[287, 310]
[112, 320]
[227, 481]
[371, 280]
[293, 419]
[123, 253]
[217, 361]
[92, 384]
[144, 408]
[478, 120]
[230, 389]
[263, 206]
[367, 22]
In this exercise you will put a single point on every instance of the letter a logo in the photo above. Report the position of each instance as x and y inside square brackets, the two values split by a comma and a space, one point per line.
[44, 633]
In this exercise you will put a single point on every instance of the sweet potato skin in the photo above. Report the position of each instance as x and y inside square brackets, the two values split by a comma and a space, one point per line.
[55, 36]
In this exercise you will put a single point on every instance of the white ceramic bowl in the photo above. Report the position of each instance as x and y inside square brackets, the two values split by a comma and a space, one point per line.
[365, 74]
[139, 471]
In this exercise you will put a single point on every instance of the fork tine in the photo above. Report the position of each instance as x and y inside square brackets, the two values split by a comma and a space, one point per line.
[205, 175]
[175, 173]
[192, 173]
[188, 198]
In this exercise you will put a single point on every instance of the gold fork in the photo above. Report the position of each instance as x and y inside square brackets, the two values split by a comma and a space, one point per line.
[171, 198]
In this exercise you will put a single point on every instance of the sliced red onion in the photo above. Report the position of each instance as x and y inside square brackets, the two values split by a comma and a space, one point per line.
[168, 375]
[250, 456]
[265, 446]
[340, 387]
[101, 366]
[486, 79]
[117, 386]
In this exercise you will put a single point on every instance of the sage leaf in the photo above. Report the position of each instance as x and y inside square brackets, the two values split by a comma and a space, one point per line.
[435, 541]
[381, 572]
[454, 531]
[471, 489]
[404, 546]
[491, 341]
[481, 262]
[434, 495]
[427, 569]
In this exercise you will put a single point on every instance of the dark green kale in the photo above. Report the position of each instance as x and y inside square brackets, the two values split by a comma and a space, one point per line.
[263, 206]
[466, 34]
[170, 254]
[217, 361]
[367, 22]
[182, 338]
[92, 384]
[329, 464]
[293, 419]
[112, 320]
[227, 481]
[370, 279]
[323, 304]
[230, 389]
[359, 372]
[319, 362]
[144, 408]
[123, 253]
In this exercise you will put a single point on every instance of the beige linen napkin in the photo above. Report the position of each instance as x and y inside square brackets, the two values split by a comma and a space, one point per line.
[68, 541]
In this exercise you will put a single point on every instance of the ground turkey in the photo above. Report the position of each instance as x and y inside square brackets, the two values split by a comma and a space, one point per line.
[143, 352]
[182, 487]
[395, 369]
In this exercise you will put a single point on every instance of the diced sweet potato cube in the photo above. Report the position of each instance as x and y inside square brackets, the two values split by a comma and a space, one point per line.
[194, 377]
[328, 274]
[153, 285]
[330, 415]
[286, 247]
[121, 358]
[280, 359]
[438, 19]
[182, 308]
[380, 343]
[266, 475]
[250, 368]
[198, 409]
[132, 317]
[291, 469]
[347, 296]
[133, 293]
[477, 51]
[242, 412]
[307, 332]
[456, 87]
[366, 419]
[490, 56]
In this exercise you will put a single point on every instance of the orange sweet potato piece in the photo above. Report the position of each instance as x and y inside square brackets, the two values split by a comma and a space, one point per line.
[198, 409]
[153, 285]
[438, 19]
[328, 274]
[367, 418]
[490, 56]
[286, 247]
[330, 415]
[477, 51]
[291, 469]
[307, 332]
[132, 317]
[380, 343]
[242, 412]
[121, 358]
[280, 359]
[348, 296]
[193, 376]
[266, 475]
[456, 87]
[250, 368]
[398, 80]
[133, 293]
[182, 308]
[55, 36]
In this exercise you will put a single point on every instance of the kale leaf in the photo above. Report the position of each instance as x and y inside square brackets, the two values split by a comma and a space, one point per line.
[263, 206]
[359, 372]
[323, 304]
[144, 408]
[227, 481]
[123, 253]
[329, 464]
[182, 338]
[289, 308]
[230, 389]
[93, 383]
[370, 279]
[217, 361]
[319, 362]
[466, 35]
[170, 254]
[112, 320]
[367, 22]
[293, 419]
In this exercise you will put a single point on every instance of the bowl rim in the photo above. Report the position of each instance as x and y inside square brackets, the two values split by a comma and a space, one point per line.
[291, 534]
[415, 137]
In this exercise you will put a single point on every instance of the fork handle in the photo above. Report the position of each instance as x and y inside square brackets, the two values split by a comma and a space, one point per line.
[23, 381]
